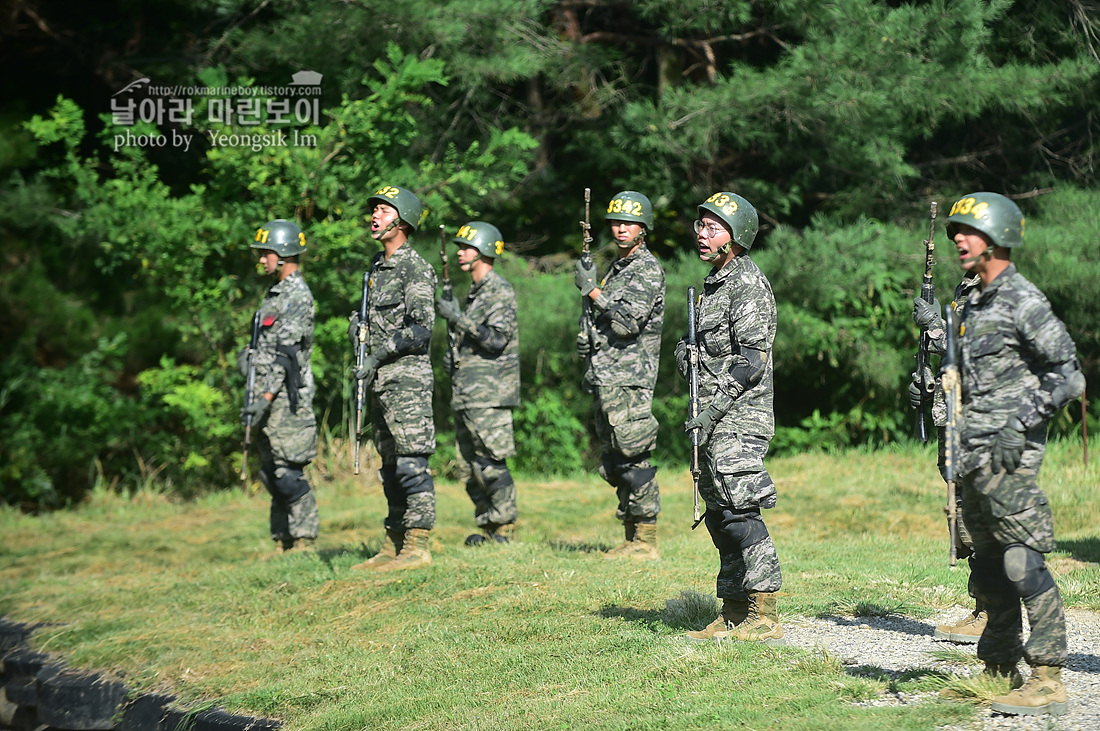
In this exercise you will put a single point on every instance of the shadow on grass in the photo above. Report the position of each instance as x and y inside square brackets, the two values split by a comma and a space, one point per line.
[649, 618]
[890, 623]
[1082, 549]
[914, 678]
[578, 546]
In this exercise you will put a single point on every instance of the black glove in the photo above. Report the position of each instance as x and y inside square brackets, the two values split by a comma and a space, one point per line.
[926, 315]
[704, 422]
[585, 277]
[448, 309]
[256, 409]
[368, 369]
[682, 364]
[353, 329]
[583, 346]
[242, 361]
[1009, 447]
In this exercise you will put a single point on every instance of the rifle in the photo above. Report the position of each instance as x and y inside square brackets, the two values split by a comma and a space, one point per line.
[360, 357]
[587, 324]
[448, 290]
[951, 381]
[248, 398]
[925, 381]
[693, 396]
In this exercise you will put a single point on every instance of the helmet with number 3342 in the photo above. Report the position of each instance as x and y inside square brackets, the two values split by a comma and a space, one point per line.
[485, 237]
[993, 214]
[737, 213]
[631, 206]
[281, 236]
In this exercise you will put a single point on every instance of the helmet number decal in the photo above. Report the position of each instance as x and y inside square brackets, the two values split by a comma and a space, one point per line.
[724, 203]
[967, 207]
[499, 248]
[262, 234]
[625, 205]
[467, 233]
[388, 191]
[301, 239]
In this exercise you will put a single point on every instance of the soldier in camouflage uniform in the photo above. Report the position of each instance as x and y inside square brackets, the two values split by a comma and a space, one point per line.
[1018, 367]
[927, 317]
[736, 323]
[483, 361]
[282, 403]
[398, 371]
[622, 346]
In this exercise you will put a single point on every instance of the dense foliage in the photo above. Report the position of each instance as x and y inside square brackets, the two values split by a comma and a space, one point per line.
[127, 281]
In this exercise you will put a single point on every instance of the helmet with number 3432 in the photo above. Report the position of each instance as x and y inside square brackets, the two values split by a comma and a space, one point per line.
[403, 200]
[737, 213]
[993, 214]
[631, 206]
[485, 237]
[281, 236]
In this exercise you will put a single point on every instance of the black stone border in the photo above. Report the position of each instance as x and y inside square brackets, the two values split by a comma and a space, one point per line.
[39, 692]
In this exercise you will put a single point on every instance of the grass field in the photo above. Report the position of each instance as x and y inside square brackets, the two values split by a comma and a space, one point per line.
[541, 634]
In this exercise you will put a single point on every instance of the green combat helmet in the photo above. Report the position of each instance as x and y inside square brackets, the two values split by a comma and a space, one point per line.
[408, 205]
[631, 206]
[485, 237]
[991, 213]
[737, 213]
[281, 236]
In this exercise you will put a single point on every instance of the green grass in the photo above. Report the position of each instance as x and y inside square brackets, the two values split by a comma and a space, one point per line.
[542, 634]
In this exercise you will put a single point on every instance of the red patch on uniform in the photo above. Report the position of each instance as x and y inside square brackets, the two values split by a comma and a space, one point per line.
[269, 320]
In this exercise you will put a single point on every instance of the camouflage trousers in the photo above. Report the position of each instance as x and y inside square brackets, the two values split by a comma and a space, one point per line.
[485, 441]
[1012, 528]
[404, 435]
[735, 486]
[293, 507]
[627, 432]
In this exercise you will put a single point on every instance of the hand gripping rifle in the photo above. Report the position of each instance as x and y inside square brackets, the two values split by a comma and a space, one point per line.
[952, 389]
[925, 381]
[693, 397]
[248, 398]
[360, 357]
[587, 325]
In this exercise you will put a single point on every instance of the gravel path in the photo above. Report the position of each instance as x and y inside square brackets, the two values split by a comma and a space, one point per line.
[898, 644]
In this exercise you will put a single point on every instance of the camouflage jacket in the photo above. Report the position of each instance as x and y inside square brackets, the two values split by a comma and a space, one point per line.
[937, 343]
[737, 311]
[485, 352]
[400, 315]
[1014, 355]
[286, 328]
[628, 316]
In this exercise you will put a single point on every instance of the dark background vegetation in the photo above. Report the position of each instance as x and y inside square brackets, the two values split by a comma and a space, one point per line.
[126, 282]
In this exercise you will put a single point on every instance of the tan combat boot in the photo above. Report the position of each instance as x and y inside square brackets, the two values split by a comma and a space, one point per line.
[303, 545]
[733, 613]
[966, 632]
[643, 547]
[413, 554]
[631, 531]
[1044, 692]
[760, 625]
[395, 539]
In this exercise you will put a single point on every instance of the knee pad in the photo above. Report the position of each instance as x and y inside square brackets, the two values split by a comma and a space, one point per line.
[289, 484]
[1027, 570]
[741, 528]
[639, 476]
[413, 475]
[610, 469]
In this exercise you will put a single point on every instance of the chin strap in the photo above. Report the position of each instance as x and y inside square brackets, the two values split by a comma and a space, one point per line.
[639, 239]
[721, 251]
[987, 255]
[392, 225]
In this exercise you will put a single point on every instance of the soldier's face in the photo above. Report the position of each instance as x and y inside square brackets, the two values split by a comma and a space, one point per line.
[382, 216]
[467, 255]
[625, 232]
[971, 244]
[269, 261]
[712, 236]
